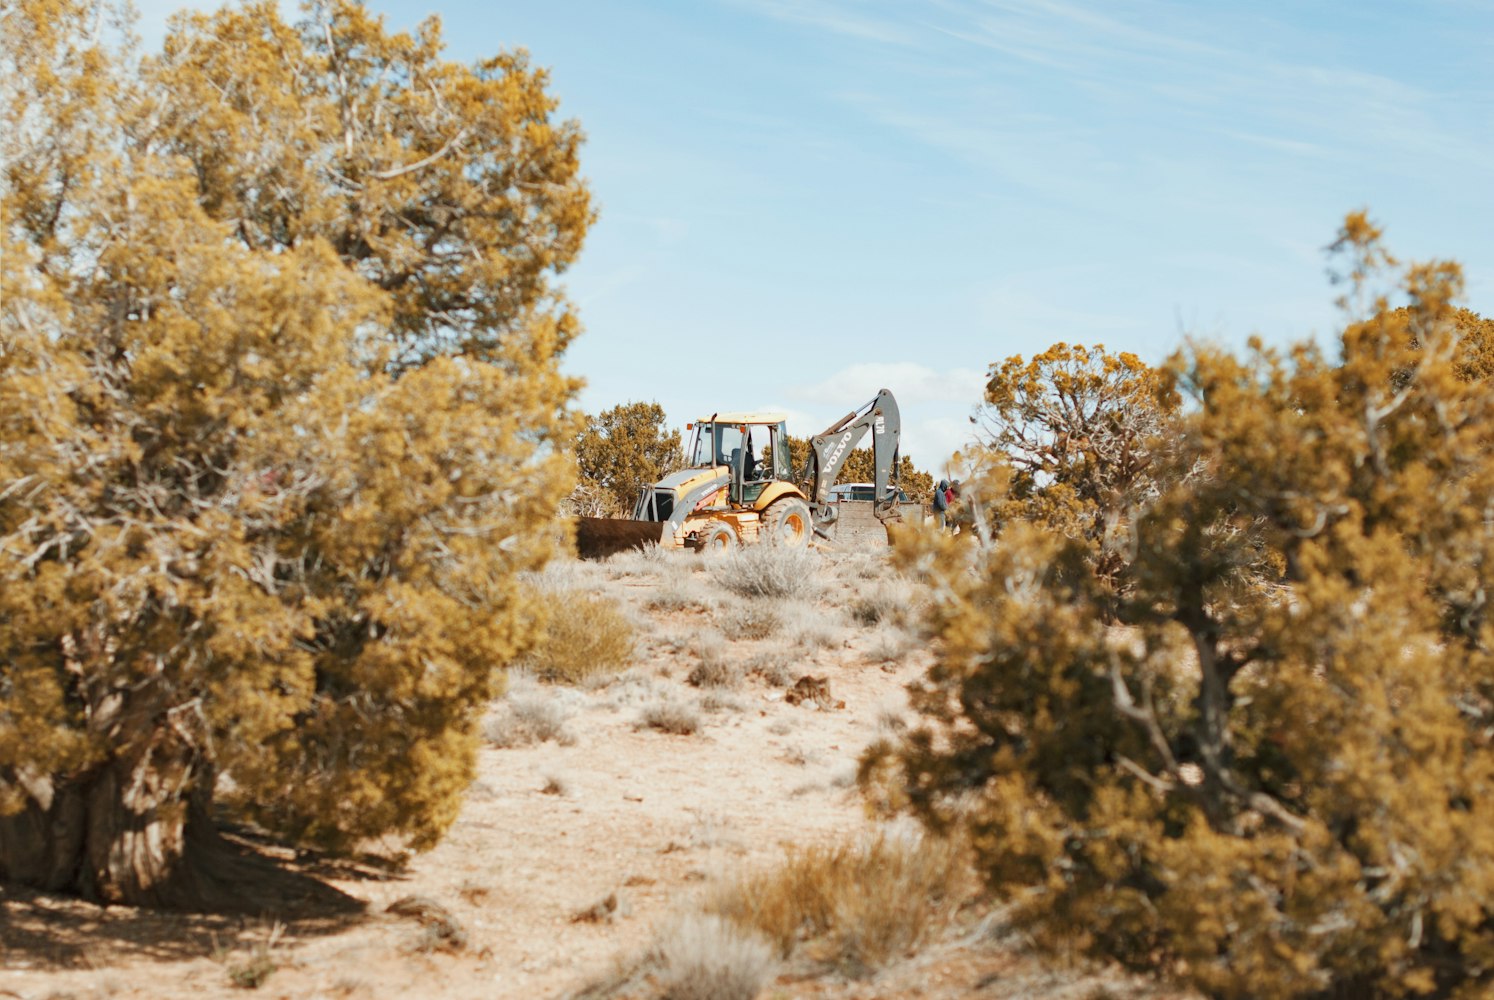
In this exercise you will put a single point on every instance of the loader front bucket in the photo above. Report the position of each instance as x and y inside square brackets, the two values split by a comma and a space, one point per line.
[600, 537]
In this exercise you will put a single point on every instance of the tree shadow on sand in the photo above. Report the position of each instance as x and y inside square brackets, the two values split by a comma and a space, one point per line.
[41, 930]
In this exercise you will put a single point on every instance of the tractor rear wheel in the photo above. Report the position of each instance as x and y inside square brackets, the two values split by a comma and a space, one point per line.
[788, 522]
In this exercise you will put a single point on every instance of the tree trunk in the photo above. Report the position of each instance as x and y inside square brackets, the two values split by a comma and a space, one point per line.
[142, 835]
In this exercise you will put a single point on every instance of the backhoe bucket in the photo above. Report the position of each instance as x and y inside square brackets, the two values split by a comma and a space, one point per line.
[600, 537]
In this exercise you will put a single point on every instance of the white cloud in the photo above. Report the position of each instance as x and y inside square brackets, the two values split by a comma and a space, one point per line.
[931, 442]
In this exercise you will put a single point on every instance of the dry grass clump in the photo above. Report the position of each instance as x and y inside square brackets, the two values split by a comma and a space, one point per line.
[529, 714]
[751, 620]
[716, 701]
[884, 602]
[566, 574]
[813, 633]
[891, 645]
[526, 720]
[634, 689]
[251, 972]
[714, 672]
[585, 636]
[670, 716]
[714, 667]
[852, 905]
[774, 665]
[808, 627]
[703, 957]
[650, 560]
[770, 571]
[681, 595]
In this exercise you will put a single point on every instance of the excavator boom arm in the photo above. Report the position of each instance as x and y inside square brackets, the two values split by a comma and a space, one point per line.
[829, 450]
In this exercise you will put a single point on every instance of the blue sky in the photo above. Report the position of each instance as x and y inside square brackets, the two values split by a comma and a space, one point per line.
[802, 202]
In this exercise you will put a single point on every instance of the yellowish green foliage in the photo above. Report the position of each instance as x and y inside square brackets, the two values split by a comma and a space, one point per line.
[1080, 430]
[622, 450]
[279, 414]
[1264, 791]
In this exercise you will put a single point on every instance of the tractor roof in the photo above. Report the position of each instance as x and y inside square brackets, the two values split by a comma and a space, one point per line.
[745, 417]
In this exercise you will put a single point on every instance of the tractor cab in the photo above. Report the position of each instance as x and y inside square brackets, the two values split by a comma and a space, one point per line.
[751, 447]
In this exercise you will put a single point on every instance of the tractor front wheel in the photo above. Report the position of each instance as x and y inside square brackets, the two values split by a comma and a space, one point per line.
[788, 522]
[717, 539]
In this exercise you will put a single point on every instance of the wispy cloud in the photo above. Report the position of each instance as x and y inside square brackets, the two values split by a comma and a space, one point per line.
[839, 19]
[1159, 61]
[910, 382]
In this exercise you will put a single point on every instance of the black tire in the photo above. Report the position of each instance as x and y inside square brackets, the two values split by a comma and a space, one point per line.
[788, 522]
[717, 539]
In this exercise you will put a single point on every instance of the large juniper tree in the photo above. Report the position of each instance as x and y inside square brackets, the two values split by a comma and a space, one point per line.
[280, 416]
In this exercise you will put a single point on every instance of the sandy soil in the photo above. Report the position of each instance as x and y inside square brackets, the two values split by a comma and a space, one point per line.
[551, 831]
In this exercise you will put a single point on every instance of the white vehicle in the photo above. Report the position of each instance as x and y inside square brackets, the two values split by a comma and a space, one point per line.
[860, 491]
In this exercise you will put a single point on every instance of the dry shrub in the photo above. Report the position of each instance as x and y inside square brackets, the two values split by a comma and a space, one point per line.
[635, 689]
[891, 645]
[852, 905]
[818, 634]
[651, 560]
[752, 620]
[720, 701]
[770, 571]
[681, 595]
[714, 668]
[808, 627]
[703, 957]
[253, 970]
[884, 602]
[530, 714]
[585, 636]
[775, 666]
[669, 716]
[527, 719]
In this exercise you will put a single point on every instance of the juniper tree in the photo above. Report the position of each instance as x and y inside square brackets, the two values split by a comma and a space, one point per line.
[280, 416]
[1265, 786]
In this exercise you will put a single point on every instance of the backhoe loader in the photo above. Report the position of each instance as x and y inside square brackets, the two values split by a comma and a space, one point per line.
[739, 487]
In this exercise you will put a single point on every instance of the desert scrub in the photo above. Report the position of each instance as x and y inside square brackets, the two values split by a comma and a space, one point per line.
[774, 665]
[704, 957]
[853, 905]
[584, 636]
[770, 571]
[648, 561]
[527, 719]
[670, 716]
[681, 595]
[884, 602]
[750, 620]
[695, 956]
[713, 666]
[891, 645]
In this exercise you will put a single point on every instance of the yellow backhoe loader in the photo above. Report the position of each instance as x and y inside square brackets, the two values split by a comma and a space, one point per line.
[739, 487]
